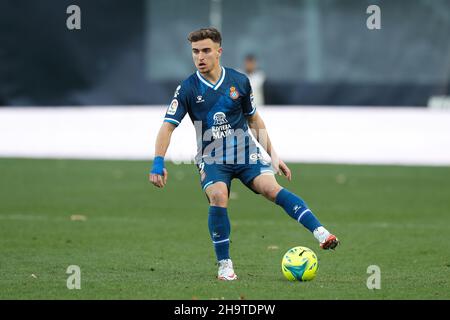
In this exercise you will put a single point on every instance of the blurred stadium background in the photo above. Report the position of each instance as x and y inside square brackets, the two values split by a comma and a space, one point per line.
[335, 92]
[313, 53]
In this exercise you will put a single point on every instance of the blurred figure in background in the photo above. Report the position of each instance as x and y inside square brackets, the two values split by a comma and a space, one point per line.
[256, 77]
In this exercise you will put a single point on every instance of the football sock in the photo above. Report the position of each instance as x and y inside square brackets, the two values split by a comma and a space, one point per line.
[297, 209]
[321, 234]
[219, 229]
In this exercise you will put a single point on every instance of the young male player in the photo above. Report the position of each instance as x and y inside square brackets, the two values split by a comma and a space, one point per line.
[220, 104]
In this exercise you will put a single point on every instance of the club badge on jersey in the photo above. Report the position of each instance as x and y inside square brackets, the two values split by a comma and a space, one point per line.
[234, 94]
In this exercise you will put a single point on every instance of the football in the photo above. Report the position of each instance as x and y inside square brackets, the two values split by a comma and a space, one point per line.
[299, 264]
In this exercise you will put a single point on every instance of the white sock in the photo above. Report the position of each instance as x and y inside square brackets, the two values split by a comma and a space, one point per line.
[321, 234]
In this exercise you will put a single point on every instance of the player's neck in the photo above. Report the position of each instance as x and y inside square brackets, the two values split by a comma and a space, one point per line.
[214, 75]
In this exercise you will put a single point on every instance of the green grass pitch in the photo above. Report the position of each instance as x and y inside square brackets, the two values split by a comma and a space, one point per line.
[134, 241]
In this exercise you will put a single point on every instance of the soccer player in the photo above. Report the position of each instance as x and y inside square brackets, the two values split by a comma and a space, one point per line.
[219, 102]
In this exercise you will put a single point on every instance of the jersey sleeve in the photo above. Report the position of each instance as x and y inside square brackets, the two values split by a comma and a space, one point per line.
[248, 102]
[178, 106]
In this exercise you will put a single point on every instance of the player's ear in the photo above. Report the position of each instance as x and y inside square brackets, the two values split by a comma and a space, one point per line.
[220, 50]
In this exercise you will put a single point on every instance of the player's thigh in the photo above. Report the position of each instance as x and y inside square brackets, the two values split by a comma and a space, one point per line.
[217, 194]
[267, 185]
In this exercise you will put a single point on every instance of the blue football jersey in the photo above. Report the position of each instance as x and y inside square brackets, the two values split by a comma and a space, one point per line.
[218, 112]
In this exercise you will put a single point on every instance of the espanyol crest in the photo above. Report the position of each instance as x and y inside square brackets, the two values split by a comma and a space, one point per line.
[234, 94]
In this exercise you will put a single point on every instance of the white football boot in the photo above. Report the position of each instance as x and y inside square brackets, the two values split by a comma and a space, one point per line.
[326, 239]
[226, 271]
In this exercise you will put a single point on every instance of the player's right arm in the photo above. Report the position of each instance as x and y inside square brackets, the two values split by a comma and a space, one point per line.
[158, 176]
[174, 114]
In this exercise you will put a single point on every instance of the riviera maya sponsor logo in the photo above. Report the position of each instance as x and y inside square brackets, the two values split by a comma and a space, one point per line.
[221, 127]
[220, 118]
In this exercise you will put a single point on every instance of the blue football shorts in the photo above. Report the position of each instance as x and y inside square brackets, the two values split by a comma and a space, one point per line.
[215, 172]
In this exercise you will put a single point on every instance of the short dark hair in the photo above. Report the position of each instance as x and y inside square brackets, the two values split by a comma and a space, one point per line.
[205, 33]
[250, 56]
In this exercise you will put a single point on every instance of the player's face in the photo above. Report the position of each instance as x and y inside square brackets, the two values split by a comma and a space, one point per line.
[206, 54]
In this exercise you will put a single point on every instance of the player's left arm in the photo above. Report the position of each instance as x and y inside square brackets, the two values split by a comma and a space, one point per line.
[259, 130]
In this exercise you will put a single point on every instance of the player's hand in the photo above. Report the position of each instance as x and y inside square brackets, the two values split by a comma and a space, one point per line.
[283, 168]
[159, 180]
[158, 175]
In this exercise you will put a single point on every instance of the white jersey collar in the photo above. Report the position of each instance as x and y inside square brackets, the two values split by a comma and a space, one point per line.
[209, 84]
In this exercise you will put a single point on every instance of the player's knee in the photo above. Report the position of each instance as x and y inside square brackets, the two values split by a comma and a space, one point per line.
[271, 191]
[218, 198]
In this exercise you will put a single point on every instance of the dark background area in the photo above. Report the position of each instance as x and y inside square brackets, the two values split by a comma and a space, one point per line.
[107, 61]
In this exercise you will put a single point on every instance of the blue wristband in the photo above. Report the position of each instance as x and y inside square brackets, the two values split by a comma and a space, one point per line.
[158, 165]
